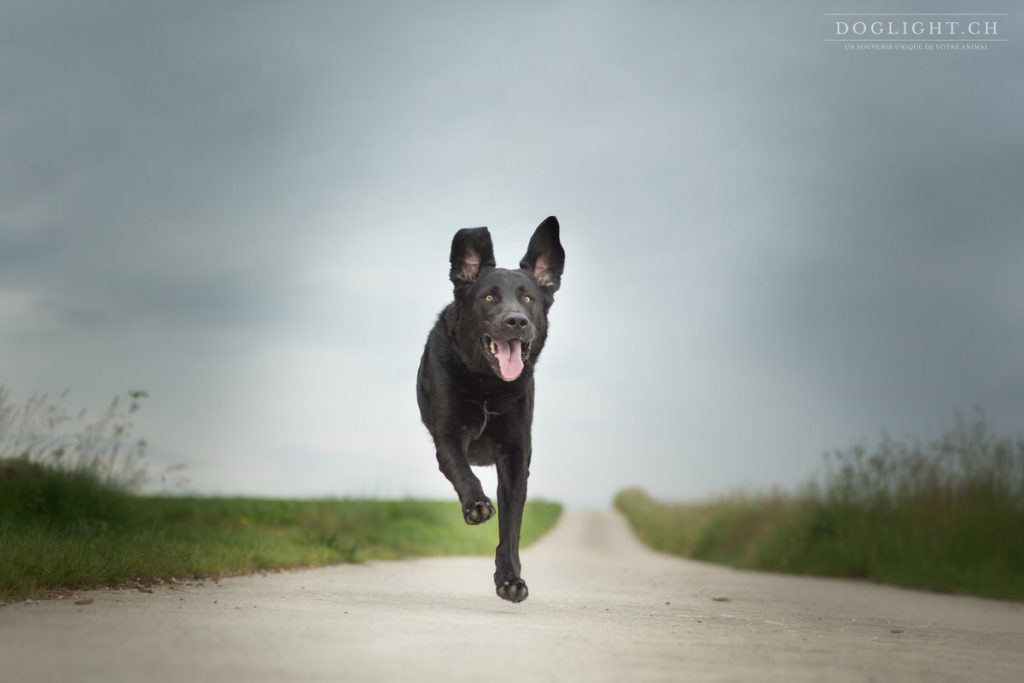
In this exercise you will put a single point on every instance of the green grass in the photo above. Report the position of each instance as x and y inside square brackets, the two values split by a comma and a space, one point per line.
[69, 519]
[67, 530]
[948, 516]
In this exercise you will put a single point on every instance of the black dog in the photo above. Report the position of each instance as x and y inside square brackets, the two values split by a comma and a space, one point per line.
[475, 382]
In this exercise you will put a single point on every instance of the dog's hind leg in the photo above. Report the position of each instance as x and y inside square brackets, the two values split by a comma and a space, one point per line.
[451, 460]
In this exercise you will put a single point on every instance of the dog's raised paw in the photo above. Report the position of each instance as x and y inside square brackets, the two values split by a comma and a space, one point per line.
[478, 511]
[513, 590]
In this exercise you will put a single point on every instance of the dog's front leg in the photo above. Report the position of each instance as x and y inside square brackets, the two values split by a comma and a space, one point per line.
[451, 459]
[513, 471]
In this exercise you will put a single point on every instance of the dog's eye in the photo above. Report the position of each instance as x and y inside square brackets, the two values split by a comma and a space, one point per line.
[489, 298]
[527, 299]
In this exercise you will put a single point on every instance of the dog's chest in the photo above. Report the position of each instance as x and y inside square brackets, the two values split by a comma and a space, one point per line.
[476, 426]
[483, 433]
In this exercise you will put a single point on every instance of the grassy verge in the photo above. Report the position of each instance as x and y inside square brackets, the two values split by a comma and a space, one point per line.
[948, 517]
[68, 518]
[66, 530]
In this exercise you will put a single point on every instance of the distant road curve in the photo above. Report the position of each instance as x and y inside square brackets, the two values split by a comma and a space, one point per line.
[602, 608]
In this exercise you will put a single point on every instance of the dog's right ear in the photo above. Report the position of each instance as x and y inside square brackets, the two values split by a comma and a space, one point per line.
[471, 253]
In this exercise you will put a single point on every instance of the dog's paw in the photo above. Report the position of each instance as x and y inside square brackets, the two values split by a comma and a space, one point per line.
[513, 590]
[478, 511]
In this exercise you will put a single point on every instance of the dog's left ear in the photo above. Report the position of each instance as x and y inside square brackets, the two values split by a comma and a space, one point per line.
[545, 257]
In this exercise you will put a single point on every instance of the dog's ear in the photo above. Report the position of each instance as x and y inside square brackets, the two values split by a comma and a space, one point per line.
[545, 257]
[471, 253]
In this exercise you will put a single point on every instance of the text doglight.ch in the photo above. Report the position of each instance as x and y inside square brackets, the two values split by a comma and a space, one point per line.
[931, 29]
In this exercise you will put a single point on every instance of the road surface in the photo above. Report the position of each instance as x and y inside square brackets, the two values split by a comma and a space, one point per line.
[601, 608]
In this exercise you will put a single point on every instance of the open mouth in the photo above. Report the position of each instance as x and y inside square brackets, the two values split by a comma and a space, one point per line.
[508, 356]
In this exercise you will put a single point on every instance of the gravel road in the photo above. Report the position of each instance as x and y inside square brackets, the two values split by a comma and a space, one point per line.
[601, 608]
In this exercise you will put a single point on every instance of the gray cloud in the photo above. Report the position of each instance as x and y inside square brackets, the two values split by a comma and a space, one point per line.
[246, 208]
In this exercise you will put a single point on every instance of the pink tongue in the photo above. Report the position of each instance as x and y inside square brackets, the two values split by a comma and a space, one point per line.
[510, 359]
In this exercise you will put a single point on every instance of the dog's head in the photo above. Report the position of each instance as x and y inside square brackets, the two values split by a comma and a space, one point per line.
[502, 313]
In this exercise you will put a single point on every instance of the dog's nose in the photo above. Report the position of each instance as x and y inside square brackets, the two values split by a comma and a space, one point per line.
[516, 321]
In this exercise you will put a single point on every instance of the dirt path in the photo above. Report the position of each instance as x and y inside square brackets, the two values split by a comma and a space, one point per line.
[601, 608]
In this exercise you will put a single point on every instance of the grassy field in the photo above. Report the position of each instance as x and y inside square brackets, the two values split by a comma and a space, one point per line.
[947, 516]
[69, 519]
[64, 531]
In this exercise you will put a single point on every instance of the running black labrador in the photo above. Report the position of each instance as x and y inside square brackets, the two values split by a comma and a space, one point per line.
[475, 382]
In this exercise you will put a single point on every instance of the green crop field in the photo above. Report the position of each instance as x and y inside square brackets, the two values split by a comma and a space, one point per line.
[69, 518]
[947, 516]
[66, 531]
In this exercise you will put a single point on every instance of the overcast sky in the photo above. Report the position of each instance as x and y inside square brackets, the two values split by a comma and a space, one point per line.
[774, 246]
